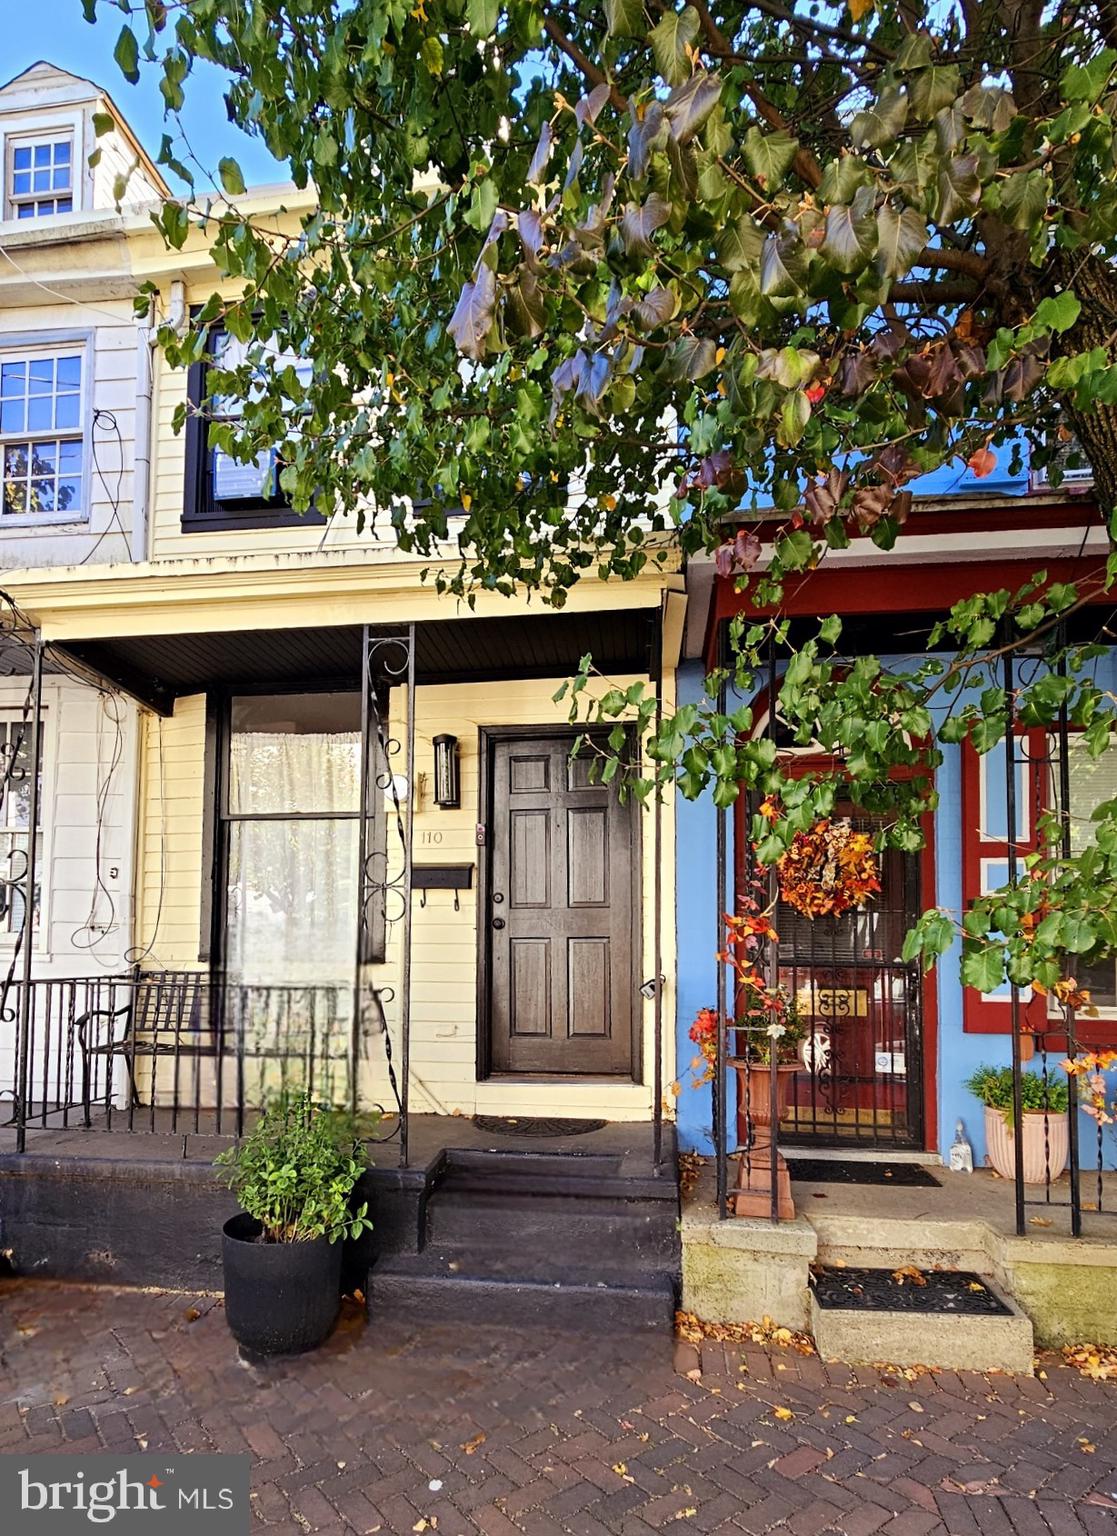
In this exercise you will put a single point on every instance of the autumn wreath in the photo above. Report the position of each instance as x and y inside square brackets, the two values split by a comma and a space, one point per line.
[828, 869]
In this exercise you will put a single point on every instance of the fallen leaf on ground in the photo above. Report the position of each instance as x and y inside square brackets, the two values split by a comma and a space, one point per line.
[782, 1413]
[471, 1446]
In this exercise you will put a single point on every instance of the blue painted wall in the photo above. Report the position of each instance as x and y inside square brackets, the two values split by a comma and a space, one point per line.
[958, 1053]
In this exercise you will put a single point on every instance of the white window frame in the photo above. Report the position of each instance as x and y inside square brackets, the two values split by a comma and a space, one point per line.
[37, 126]
[1105, 1011]
[17, 349]
[13, 200]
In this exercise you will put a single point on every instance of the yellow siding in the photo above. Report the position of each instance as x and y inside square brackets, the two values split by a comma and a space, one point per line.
[444, 948]
[170, 876]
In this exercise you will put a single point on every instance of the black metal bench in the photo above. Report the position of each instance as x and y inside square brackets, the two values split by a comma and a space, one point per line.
[150, 1015]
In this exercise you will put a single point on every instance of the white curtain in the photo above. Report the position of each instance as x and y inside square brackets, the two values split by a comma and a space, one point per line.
[292, 900]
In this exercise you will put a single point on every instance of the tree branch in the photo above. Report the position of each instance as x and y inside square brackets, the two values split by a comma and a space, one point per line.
[590, 70]
[806, 166]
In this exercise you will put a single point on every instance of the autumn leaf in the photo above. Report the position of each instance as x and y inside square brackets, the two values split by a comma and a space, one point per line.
[471, 1447]
[859, 8]
[782, 1413]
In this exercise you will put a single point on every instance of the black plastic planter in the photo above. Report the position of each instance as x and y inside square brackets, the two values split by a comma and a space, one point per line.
[280, 1298]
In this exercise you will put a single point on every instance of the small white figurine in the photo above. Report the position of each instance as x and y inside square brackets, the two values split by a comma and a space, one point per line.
[961, 1153]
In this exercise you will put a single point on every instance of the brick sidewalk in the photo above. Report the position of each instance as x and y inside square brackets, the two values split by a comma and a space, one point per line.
[501, 1434]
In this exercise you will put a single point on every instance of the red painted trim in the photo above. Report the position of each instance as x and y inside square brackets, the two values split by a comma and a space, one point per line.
[891, 588]
[981, 1014]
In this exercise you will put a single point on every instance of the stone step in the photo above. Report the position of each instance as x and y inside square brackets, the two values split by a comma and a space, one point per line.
[948, 1340]
[554, 1173]
[568, 1227]
[421, 1286]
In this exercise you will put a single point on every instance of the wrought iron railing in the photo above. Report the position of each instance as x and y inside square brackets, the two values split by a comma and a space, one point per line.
[174, 1051]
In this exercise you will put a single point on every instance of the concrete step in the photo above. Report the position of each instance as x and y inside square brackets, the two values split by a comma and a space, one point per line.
[945, 1339]
[553, 1173]
[571, 1228]
[422, 1286]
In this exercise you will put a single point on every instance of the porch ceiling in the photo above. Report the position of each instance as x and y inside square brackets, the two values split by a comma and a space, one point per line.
[159, 668]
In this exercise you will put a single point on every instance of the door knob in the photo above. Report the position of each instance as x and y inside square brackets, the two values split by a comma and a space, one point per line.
[498, 922]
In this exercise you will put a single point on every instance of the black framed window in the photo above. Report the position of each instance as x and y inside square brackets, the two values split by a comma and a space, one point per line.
[282, 836]
[221, 492]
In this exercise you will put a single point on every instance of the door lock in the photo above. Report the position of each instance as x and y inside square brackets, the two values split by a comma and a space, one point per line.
[498, 897]
[498, 922]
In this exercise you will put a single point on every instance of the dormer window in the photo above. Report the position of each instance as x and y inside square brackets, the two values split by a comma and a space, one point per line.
[39, 176]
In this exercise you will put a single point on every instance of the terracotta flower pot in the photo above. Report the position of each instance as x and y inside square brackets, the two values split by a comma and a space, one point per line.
[754, 1095]
[1042, 1152]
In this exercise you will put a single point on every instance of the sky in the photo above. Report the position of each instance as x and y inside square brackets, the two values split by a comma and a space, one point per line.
[55, 30]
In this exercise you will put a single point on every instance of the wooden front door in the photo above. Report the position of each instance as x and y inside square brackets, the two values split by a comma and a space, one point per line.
[559, 913]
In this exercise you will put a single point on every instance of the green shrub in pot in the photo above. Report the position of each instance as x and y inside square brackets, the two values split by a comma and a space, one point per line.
[294, 1175]
[992, 1086]
[1044, 1136]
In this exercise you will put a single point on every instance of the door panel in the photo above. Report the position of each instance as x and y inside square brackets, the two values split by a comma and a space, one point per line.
[560, 914]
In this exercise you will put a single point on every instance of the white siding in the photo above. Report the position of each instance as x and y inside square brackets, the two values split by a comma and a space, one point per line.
[88, 837]
[110, 360]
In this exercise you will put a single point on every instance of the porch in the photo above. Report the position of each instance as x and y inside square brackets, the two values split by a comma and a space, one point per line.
[325, 835]
[506, 1222]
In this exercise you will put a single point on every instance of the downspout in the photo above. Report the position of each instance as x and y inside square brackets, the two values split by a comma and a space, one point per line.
[146, 342]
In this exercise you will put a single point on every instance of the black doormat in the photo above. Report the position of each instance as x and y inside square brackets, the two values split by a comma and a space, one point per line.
[535, 1125]
[907, 1290]
[821, 1170]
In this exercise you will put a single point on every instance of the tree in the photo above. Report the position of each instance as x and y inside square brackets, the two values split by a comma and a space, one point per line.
[687, 259]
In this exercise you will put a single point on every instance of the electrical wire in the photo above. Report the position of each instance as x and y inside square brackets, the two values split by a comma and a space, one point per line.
[112, 496]
[91, 933]
[55, 293]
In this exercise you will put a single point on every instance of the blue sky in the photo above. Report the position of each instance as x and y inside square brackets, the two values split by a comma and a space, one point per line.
[55, 30]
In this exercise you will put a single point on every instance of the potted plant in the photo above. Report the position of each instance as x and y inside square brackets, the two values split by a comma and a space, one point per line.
[774, 1029]
[1044, 1131]
[294, 1176]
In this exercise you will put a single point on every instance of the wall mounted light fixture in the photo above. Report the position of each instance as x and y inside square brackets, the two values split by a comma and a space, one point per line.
[447, 776]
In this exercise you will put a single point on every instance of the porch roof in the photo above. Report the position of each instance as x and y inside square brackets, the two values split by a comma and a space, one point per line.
[159, 668]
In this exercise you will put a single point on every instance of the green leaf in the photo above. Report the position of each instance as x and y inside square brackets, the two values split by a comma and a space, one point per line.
[881, 123]
[127, 55]
[740, 243]
[431, 53]
[1024, 198]
[959, 188]
[901, 236]
[482, 16]
[934, 88]
[769, 156]
[1086, 82]
[232, 181]
[841, 179]
[851, 233]
[625, 18]
[983, 968]
[670, 38]
[1058, 312]
[692, 357]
